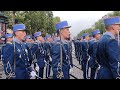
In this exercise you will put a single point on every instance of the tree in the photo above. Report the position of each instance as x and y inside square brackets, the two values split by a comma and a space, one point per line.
[34, 20]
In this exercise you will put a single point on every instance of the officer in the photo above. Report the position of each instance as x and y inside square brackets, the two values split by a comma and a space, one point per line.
[48, 45]
[29, 43]
[28, 39]
[76, 48]
[60, 57]
[92, 52]
[9, 38]
[38, 52]
[80, 49]
[85, 55]
[15, 56]
[108, 53]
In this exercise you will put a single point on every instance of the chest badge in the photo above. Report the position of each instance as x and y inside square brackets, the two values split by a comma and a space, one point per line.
[18, 50]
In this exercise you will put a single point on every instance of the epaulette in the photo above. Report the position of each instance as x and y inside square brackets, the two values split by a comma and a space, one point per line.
[58, 42]
[85, 41]
[9, 42]
[25, 43]
[35, 43]
[95, 41]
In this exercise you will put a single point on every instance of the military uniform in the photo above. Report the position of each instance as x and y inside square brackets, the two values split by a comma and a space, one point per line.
[38, 52]
[76, 44]
[80, 51]
[48, 55]
[28, 46]
[92, 64]
[16, 61]
[70, 53]
[60, 57]
[108, 53]
[56, 59]
[85, 55]
[4, 49]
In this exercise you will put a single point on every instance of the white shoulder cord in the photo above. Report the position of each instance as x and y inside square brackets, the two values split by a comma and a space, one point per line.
[10, 74]
[118, 60]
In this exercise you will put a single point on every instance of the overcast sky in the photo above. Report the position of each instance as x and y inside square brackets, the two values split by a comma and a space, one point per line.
[80, 20]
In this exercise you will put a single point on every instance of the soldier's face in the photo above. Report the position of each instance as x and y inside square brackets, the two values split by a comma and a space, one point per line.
[116, 28]
[28, 40]
[87, 38]
[49, 39]
[41, 39]
[9, 39]
[98, 36]
[65, 33]
[21, 34]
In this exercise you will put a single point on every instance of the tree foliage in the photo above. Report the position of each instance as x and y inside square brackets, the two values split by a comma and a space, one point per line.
[34, 20]
[99, 24]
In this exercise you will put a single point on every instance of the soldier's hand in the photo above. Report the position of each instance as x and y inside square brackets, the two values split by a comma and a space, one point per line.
[50, 59]
[45, 61]
[37, 68]
[33, 74]
[71, 70]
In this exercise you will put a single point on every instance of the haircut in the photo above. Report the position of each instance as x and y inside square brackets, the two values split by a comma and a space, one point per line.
[93, 36]
[58, 32]
[108, 27]
[83, 37]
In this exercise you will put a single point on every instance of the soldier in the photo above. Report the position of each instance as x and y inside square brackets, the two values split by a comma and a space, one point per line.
[9, 38]
[60, 57]
[76, 48]
[38, 52]
[16, 60]
[108, 53]
[92, 52]
[29, 43]
[80, 50]
[48, 45]
[85, 55]
[28, 39]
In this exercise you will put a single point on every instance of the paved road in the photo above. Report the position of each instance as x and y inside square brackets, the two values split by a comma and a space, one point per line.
[2, 74]
[76, 72]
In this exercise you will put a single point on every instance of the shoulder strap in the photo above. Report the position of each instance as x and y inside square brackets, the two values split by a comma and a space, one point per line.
[14, 56]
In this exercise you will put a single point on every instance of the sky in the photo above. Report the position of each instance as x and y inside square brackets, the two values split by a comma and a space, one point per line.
[80, 20]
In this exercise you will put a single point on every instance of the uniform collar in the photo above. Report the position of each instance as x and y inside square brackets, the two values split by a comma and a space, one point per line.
[37, 41]
[64, 41]
[18, 41]
[9, 42]
[93, 39]
[110, 34]
[28, 42]
[47, 41]
[85, 40]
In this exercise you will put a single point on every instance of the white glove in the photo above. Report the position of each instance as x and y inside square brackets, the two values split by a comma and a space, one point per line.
[45, 61]
[37, 68]
[71, 70]
[33, 74]
[50, 59]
